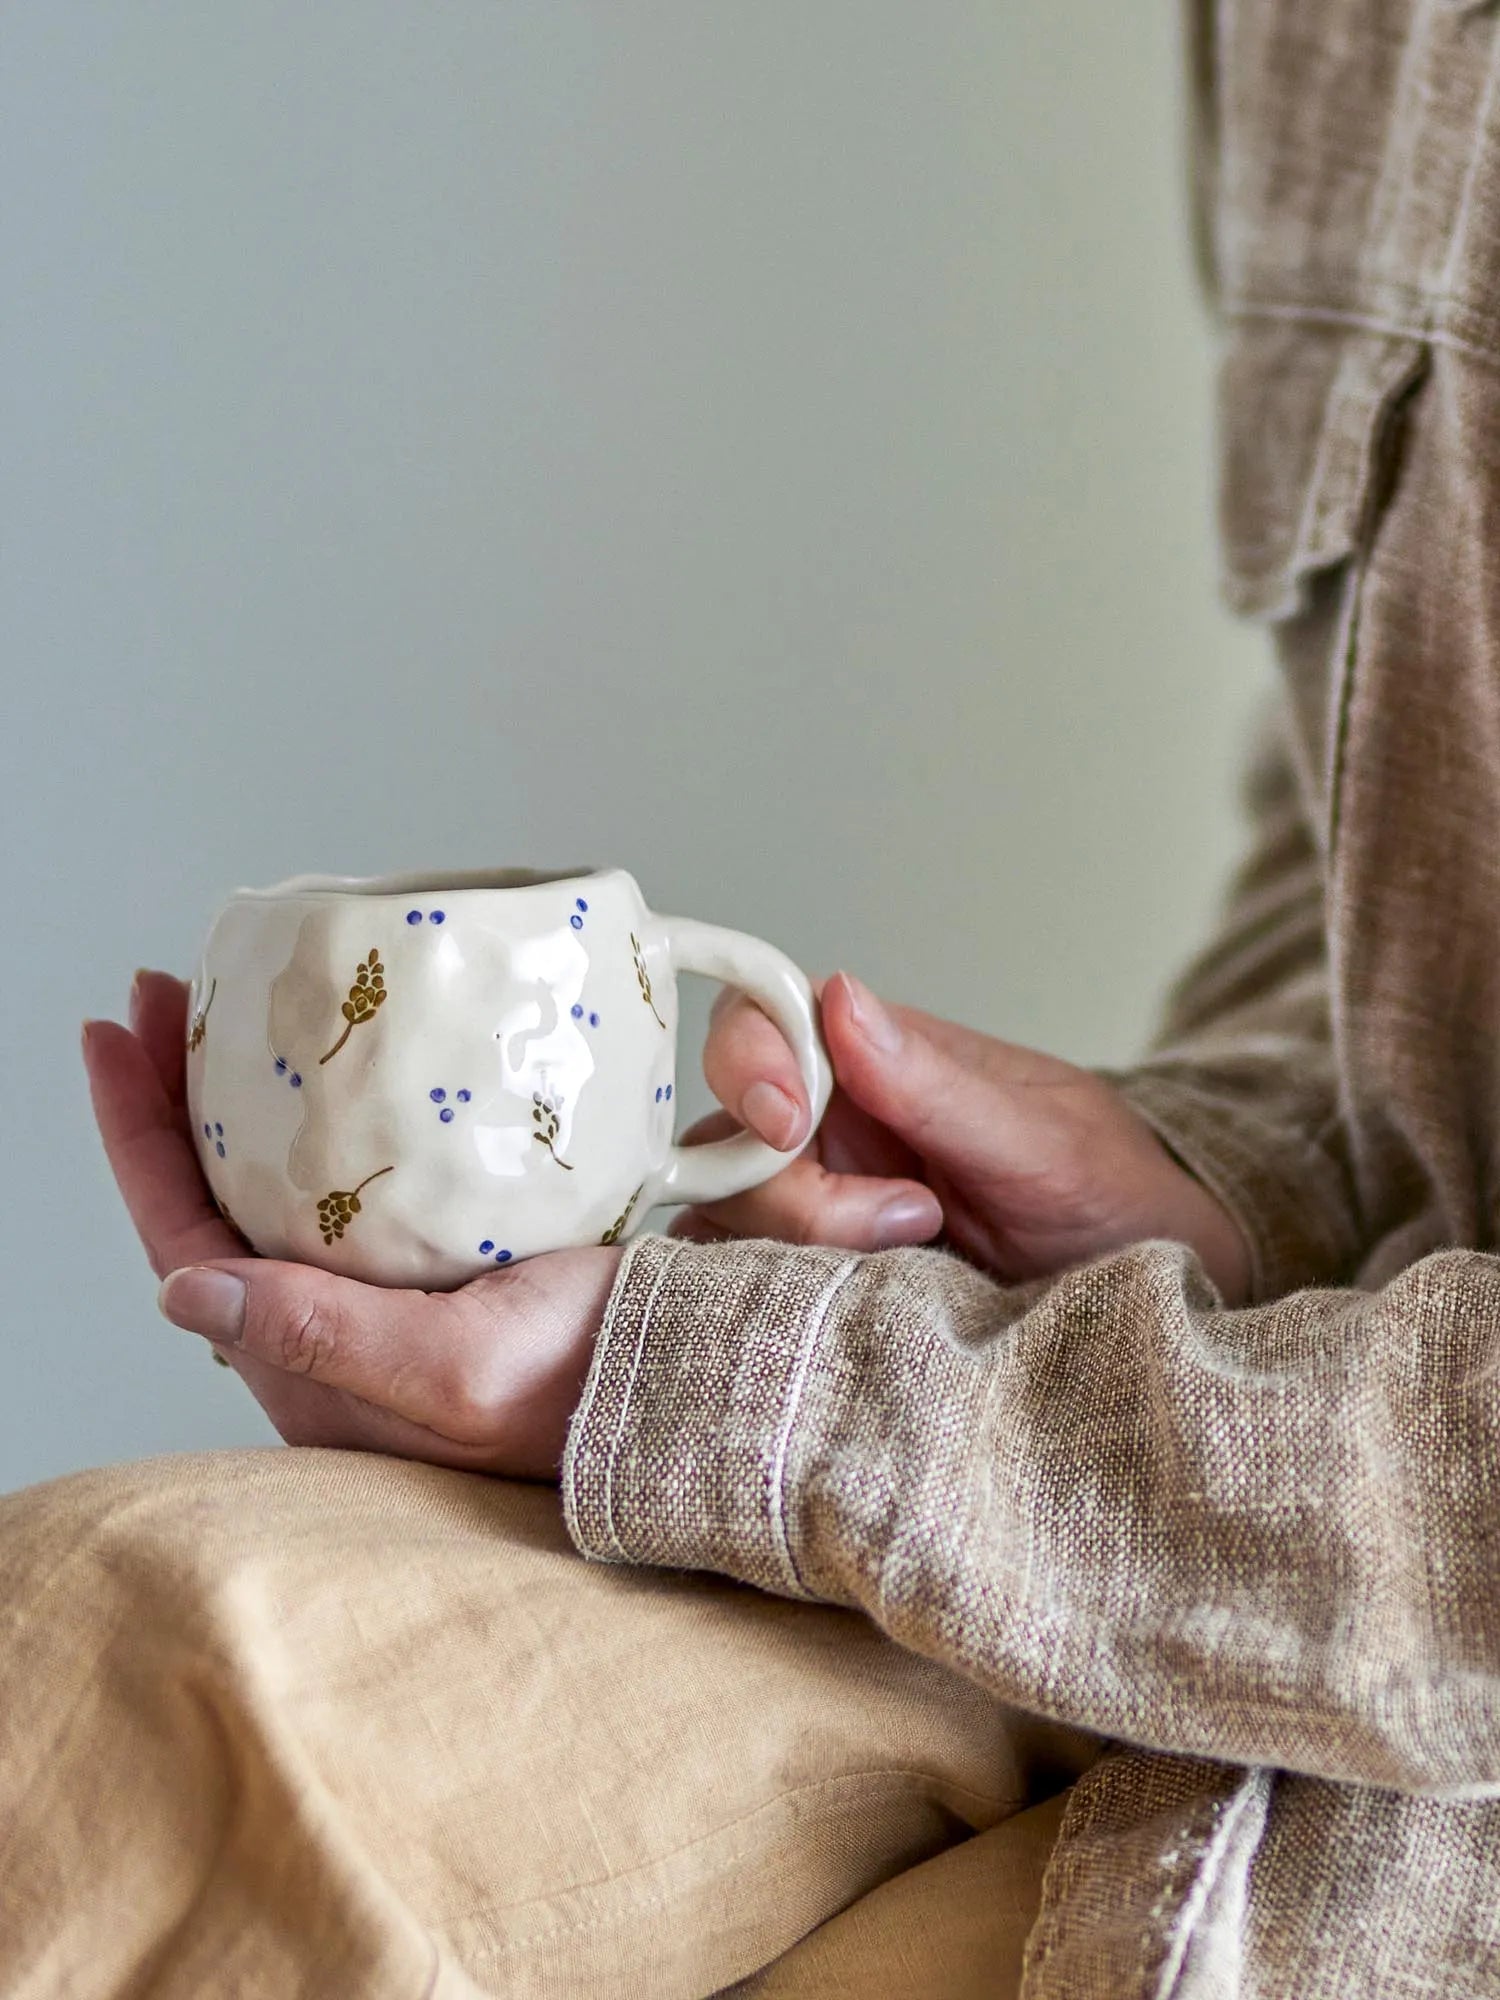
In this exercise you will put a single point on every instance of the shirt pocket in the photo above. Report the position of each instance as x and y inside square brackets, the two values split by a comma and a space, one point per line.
[1307, 434]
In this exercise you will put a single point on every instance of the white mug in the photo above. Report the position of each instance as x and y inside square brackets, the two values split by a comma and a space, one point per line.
[414, 1079]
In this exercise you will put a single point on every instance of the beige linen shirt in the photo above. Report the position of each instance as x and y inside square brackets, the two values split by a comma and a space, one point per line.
[1259, 1550]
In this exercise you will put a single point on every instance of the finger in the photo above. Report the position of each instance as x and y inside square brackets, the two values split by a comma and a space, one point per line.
[453, 1363]
[849, 1141]
[807, 1204]
[969, 1102]
[158, 1020]
[750, 1068]
[150, 1153]
[305, 1412]
[753, 1073]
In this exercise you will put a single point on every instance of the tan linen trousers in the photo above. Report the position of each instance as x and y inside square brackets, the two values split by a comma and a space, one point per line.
[298, 1722]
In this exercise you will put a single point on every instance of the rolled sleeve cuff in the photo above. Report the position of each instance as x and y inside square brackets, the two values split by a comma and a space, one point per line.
[677, 1455]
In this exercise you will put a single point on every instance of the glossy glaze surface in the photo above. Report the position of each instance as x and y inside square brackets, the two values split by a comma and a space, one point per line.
[411, 1082]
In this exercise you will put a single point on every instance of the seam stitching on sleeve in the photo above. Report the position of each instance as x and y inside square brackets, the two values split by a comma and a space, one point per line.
[795, 1387]
[1254, 1790]
[635, 1368]
[596, 1371]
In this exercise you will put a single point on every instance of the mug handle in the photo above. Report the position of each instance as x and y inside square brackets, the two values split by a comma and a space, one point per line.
[729, 1166]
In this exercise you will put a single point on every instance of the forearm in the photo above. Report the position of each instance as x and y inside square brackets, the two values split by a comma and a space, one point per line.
[1259, 1536]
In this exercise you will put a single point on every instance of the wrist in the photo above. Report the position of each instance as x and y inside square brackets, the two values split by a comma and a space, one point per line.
[1207, 1226]
[573, 1289]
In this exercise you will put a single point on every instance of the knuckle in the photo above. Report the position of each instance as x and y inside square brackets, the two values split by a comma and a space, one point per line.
[304, 1338]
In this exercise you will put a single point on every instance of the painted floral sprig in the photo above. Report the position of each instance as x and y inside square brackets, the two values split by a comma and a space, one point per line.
[643, 977]
[200, 1020]
[366, 997]
[544, 1117]
[617, 1228]
[338, 1209]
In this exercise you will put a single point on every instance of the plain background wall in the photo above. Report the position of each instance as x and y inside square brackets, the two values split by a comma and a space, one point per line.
[764, 444]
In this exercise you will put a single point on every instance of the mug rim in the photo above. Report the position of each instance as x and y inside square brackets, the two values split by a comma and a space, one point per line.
[422, 882]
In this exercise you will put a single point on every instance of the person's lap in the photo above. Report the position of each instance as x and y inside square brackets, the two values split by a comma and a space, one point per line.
[292, 1722]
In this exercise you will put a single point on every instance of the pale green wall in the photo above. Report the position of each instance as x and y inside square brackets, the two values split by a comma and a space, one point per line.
[764, 444]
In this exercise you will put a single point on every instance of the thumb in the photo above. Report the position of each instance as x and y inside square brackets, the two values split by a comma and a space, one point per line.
[977, 1106]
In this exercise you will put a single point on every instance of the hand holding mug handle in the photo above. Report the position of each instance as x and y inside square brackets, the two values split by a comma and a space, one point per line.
[703, 1174]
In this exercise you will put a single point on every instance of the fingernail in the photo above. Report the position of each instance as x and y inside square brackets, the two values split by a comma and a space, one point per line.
[205, 1301]
[83, 1035]
[873, 1021]
[908, 1218]
[776, 1116]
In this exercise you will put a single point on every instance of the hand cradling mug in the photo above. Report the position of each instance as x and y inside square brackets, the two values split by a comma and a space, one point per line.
[413, 1079]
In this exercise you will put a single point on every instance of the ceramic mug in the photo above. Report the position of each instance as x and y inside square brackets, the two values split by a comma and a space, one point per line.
[412, 1079]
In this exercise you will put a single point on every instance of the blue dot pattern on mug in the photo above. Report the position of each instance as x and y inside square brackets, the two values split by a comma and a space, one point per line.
[439, 1097]
[580, 911]
[215, 1135]
[284, 1068]
[433, 916]
[487, 1249]
[578, 1014]
[664, 1093]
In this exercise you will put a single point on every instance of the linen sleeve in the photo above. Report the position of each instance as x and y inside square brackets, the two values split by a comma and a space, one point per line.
[1262, 1535]
[1265, 1535]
